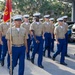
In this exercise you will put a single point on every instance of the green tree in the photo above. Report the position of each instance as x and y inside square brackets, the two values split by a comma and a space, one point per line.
[52, 7]
[2, 6]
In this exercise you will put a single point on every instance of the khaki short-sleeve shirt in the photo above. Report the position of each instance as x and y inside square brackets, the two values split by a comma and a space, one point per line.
[3, 28]
[59, 32]
[26, 26]
[66, 27]
[38, 28]
[47, 27]
[53, 27]
[18, 37]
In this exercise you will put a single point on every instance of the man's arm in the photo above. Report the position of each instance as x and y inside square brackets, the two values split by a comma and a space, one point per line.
[32, 31]
[9, 47]
[1, 38]
[56, 35]
[26, 45]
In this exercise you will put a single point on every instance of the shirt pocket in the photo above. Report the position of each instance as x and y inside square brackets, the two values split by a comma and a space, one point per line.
[14, 34]
[64, 29]
[60, 30]
[22, 34]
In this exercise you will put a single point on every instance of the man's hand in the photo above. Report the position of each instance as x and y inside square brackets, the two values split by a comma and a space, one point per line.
[31, 33]
[57, 42]
[10, 52]
[43, 37]
[1, 42]
[26, 50]
[37, 41]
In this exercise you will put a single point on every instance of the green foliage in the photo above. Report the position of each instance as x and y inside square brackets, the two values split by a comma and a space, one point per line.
[45, 7]
[2, 6]
[52, 7]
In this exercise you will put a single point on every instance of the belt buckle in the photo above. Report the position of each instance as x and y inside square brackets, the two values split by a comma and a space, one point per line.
[18, 45]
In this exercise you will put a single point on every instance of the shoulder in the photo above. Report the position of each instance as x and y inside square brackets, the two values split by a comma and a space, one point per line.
[44, 22]
[65, 24]
[11, 28]
[57, 27]
[23, 23]
[2, 23]
[32, 24]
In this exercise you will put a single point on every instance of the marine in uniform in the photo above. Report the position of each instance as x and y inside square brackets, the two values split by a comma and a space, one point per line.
[60, 40]
[52, 42]
[26, 25]
[47, 35]
[3, 29]
[66, 34]
[19, 44]
[36, 29]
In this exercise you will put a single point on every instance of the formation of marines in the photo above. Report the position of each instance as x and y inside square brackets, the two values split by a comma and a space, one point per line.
[31, 39]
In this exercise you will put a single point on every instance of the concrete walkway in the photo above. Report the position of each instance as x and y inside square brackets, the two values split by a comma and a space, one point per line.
[50, 67]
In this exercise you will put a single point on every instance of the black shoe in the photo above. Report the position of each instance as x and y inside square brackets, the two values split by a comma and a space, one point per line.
[2, 63]
[32, 61]
[41, 66]
[31, 49]
[10, 72]
[67, 55]
[49, 56]
[43, 53]
[28, 58]
[52, 51]
[64, 64]
[53, 58]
